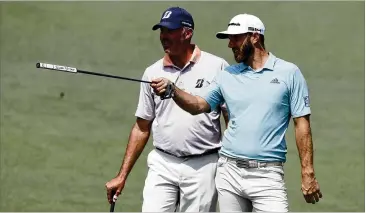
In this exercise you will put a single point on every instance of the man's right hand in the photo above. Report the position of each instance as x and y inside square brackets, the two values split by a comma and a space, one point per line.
[310, 188]
[114, 187]
[160, 86]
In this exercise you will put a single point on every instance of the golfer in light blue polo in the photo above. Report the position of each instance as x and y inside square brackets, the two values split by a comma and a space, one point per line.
[262, 93]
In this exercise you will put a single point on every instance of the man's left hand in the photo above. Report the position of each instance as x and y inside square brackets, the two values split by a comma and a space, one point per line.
[310, 189]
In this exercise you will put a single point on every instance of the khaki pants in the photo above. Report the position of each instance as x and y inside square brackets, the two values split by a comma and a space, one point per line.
[253, 189]
[180, 184]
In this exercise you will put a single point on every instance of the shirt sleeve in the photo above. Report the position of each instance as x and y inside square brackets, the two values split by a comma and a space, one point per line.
[146, 105]
[299, 95]
[212, 94]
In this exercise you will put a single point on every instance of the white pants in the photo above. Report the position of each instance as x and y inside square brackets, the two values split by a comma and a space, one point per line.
[253, 189]
[180, 184]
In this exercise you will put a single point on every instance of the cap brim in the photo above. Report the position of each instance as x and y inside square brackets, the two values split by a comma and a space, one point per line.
[225, 34]
[169, 25]
[222, 35]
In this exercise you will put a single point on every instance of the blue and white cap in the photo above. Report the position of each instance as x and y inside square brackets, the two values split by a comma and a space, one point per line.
[174, 18]
[242, 23]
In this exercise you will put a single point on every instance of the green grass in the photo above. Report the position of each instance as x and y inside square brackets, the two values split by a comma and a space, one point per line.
[56, 154]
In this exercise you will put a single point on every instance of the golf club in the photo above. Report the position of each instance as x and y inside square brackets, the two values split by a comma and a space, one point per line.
[168, 94]
[75, 70]
[111, 209]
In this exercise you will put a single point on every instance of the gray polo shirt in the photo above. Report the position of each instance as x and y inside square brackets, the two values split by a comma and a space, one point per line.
[175, 130]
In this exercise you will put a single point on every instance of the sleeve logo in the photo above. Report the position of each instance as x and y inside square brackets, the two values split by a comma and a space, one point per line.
[307, 101]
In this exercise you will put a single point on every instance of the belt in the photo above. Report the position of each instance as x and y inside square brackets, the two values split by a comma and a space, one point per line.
[244, 163]
[211, 151]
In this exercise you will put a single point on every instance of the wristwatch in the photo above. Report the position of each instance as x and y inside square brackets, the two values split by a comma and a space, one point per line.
[169, 92]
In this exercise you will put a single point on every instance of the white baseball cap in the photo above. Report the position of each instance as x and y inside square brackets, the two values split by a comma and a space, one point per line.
[242, 23]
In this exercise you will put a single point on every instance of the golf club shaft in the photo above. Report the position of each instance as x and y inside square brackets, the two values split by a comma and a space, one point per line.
[75, 70]
[111, 209]
[111, 76]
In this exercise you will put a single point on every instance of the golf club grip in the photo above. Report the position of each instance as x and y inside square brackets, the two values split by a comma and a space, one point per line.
[111, 209]
[56, 67]
[74, 70]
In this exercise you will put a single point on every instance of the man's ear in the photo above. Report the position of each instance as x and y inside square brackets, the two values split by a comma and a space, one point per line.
[255, 38]
[188, 33]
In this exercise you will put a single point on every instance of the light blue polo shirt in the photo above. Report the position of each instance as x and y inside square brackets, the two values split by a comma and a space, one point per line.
[260, 105]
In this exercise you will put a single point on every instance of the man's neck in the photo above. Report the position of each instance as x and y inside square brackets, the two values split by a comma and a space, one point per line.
[258, 59]
[182, 59]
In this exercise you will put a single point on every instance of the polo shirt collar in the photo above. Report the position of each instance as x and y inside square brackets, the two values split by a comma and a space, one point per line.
[269, 65]
[270, 62]
[167, 62]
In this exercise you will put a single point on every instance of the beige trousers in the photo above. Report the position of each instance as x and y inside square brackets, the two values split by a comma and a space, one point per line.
[180, 184]
[254, 189]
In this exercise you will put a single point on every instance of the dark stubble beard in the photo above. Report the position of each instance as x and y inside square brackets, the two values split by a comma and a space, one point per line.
[245, 52]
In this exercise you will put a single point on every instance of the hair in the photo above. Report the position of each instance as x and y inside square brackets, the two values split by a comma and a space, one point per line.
[247, 48]
[261, 41]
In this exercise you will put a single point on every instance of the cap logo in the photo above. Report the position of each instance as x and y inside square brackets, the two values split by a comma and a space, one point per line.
[167, 14]
[254, 29]
[186, 24]
[234, 24]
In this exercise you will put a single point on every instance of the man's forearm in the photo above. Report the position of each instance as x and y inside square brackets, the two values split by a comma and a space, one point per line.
[136, 144]
[309, 185]
[305, 147]
[187, 102]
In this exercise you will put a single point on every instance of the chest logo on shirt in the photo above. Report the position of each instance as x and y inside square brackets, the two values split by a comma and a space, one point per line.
[199, 83]
[275, 81]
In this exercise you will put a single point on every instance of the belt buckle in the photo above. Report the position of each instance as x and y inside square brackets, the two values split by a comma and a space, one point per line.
[242, 164]
[247, 164]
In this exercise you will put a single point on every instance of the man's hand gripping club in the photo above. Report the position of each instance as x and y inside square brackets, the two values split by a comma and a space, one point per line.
[190, 103]
[163, 88]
